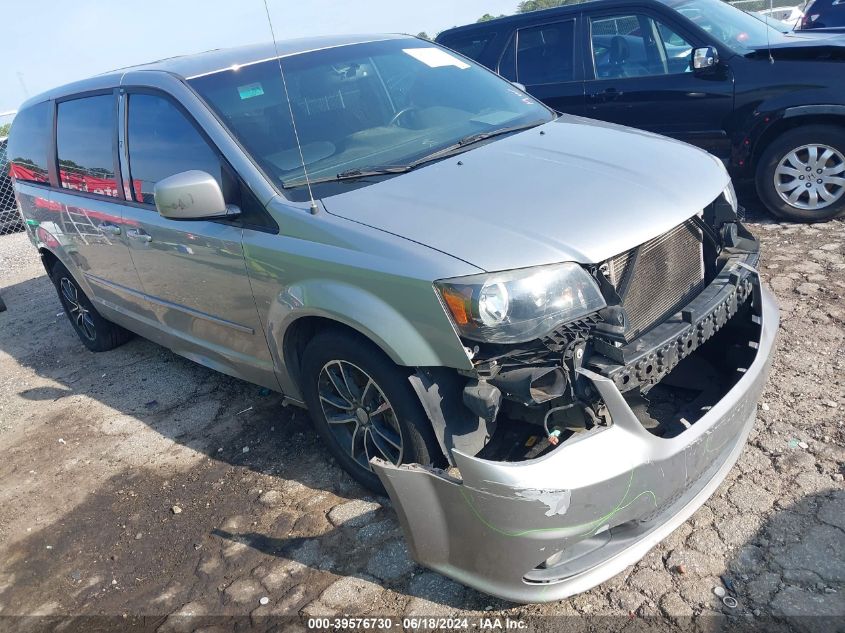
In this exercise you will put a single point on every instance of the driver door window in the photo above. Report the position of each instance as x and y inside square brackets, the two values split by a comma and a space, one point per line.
[637, 46]
[162, 142]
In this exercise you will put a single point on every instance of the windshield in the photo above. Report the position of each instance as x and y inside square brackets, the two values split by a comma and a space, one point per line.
[362, 106]
[736, 29]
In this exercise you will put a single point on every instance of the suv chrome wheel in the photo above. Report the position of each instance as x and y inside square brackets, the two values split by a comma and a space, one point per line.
[811, 177]
[76, 311]
[359, 414]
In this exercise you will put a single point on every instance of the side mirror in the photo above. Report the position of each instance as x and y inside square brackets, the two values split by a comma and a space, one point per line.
[191, 195]
[704, 59]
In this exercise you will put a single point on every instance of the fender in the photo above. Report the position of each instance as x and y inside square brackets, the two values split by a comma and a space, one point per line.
[762, 121]
[397, 334]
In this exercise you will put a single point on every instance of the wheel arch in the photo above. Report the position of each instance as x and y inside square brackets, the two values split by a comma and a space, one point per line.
[48, 259]
[302, 331]
[794, 118]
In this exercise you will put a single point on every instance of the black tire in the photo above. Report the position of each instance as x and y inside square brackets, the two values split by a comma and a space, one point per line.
[329, 351]
[827, 135]
[95, 332]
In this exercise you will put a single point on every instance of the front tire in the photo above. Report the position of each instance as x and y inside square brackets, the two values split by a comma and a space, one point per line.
[801, 174]
[95, 332]
[363, 406]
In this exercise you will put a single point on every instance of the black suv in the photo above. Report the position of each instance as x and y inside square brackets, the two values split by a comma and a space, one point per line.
[824, 14]
[770, 104]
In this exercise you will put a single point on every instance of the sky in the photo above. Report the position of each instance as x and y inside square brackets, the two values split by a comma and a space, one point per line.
[50, 43]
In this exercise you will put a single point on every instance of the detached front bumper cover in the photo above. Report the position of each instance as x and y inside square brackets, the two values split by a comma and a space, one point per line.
[546, 529]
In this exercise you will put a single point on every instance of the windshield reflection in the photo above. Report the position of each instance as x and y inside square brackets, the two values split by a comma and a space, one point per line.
[387, 103]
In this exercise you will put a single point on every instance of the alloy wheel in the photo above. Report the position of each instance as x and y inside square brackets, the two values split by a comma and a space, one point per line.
[359, 415]
[811, 177]
[78, 313]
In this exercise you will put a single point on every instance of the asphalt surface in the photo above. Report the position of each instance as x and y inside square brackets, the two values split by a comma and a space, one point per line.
[138, 484]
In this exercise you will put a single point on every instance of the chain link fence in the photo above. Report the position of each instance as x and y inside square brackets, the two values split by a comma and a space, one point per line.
[11, 221]
[10, 217]
[754, 6]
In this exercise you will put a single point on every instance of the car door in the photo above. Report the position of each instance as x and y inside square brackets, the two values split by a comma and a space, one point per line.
[89, 222]
[193, 271]
[545, 59]
[642, 77]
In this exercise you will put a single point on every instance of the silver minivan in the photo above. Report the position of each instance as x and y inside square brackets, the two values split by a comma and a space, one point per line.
[543, 336]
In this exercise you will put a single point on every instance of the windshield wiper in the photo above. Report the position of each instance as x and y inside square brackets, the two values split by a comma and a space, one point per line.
[371, 171]
[351, 174]
[472, 139]
[384, 170]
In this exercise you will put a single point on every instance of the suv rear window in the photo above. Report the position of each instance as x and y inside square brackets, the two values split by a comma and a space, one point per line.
[29, 144]
[85, 145]
[546, 54]
[472, 46]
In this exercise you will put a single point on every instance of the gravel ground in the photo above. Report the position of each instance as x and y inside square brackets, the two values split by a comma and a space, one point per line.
[136, 483]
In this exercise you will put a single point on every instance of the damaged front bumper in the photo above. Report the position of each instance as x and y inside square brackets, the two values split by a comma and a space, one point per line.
[542, 530]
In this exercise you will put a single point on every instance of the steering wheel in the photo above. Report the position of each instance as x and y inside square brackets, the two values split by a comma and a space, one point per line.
[401, 113]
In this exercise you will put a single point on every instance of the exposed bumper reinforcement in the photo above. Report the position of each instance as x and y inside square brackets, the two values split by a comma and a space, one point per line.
[546, 529]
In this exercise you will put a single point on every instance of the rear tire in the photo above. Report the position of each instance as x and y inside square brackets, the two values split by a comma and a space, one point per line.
[801, 174]
[363, 406]
[96, 333]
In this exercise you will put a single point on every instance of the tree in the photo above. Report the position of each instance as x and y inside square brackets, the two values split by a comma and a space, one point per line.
[4, 129]
[487, 17]
[536, 5]
[423, 35]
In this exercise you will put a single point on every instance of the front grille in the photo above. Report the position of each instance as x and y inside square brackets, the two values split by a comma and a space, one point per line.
[659, 277]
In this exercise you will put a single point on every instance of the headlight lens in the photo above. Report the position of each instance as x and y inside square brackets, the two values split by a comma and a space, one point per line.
[730, 196]
[519, 305]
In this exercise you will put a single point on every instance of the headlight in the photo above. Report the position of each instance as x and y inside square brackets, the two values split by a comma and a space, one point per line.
[519, 305]
[730, 196]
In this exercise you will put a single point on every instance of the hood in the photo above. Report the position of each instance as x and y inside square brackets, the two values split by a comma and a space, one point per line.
[570, 190]
[806, 45]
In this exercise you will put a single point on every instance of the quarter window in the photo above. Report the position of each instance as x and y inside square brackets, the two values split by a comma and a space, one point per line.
[84, 143]
[546, 54]
[28, 145]
[163, 142]
[637, 46]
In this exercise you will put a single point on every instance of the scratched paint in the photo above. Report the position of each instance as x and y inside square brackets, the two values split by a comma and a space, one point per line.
[557, 501]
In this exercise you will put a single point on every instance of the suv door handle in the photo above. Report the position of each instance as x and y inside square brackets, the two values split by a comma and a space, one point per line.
[137, 234]
[111, 229]
[611, 94]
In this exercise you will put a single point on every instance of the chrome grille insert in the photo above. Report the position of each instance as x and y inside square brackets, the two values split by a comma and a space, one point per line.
[656, 279]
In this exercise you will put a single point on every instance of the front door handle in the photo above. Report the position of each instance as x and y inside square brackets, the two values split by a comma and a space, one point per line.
[137, 234]
[611, 94]
[111, 229]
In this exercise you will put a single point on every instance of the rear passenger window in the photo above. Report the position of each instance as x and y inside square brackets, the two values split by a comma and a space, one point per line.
[163, 142]
[546, 54]
[85, 131]
[472, 46]
[29, 144]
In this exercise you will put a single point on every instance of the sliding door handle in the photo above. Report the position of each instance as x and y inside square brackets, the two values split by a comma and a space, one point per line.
[111, 229]
[138, 234]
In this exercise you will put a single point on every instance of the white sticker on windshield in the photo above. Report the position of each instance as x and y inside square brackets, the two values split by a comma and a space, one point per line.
[435, 57]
